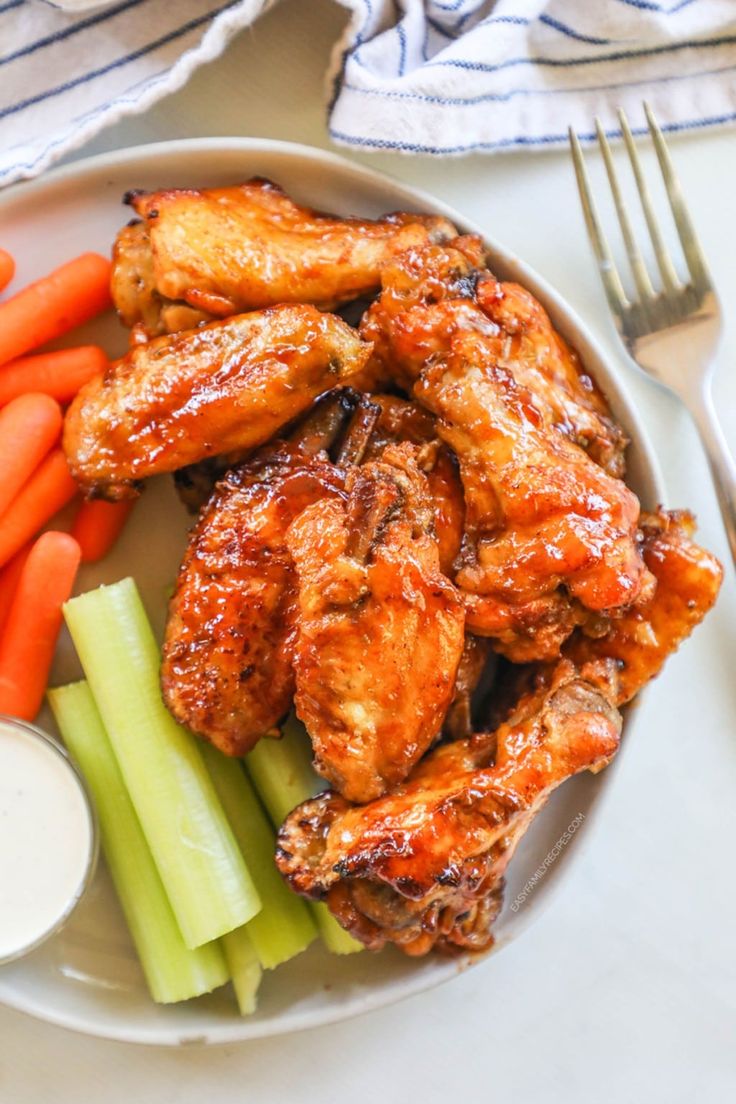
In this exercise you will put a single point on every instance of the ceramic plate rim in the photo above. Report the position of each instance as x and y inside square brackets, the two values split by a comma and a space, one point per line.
[574, 328]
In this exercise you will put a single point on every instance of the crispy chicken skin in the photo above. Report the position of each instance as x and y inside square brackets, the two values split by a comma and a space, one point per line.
[227, 670]
[133, 289]
[380, 629]
[423, 867]
[319, 428]
[687, 583]
[400, 420]
[432, 294]
[228, 385]
[549, 532]
[222, 251]
[227, 659]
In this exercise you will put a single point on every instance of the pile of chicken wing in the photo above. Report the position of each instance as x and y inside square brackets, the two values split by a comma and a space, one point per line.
[415, 533]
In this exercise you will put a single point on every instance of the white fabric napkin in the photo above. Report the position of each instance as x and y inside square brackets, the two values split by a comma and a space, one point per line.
[418, 76]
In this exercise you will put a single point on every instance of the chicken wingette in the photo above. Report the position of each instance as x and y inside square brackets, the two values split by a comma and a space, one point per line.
[227, 670]
[213, 252]
[223, 387]
[380, 630]
[550, 534]
[432, 294]
[550, 531]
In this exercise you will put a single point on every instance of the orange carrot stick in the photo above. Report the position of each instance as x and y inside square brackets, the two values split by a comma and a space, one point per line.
[29, 426]
[9, 576]
[7, 269]
[59, 374]
[49, 488]
[68, 296]
[29, 638]
[98, 525]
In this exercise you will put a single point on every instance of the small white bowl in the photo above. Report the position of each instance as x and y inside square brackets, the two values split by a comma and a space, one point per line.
[44, 803]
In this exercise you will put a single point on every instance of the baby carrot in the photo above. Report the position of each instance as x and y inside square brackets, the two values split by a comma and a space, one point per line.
[9, 576]
[29, 638]
[49, 488]
[29, 426]
[59, 374]
[98, 525]
[68, 296]
[7, 269]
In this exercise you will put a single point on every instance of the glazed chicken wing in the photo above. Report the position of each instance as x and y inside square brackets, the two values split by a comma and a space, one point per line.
[432, 294]
[423, 867]
[221, 251]
[687, 583]
[380, 629]
[228, 385]
[550, 533]
[320, 428]
[227, 666]
[399, 420]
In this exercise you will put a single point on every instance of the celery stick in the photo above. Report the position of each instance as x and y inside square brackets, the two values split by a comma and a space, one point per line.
[173, 972]
[284, 926]
[282, 773]
[244, 967]
[201, 867]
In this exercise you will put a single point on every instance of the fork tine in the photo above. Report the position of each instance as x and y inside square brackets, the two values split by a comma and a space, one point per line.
[636, 261]
[686, 230]
[664, 261]
[606, 266]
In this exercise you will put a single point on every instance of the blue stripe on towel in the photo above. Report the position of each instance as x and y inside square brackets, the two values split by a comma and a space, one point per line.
[522, 141]
[149, 82]
[451, 5]
[511, 93]
[519, 20]
[568, 63]
[556, 25]
[67, 32]
[31, 101]
[402, 48]
[650, 5]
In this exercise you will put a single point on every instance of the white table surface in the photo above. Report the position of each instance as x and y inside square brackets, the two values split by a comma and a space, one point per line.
[626, 988]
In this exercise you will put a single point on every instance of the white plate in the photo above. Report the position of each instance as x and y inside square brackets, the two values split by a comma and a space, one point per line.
[87, 978]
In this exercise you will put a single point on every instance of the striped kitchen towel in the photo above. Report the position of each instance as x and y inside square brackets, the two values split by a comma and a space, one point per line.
[455, 76]
[418, 76]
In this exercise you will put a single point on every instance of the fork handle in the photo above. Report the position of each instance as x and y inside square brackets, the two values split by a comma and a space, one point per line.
[722, 466]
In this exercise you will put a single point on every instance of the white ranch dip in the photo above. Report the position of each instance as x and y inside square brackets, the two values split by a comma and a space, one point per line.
[47, 838]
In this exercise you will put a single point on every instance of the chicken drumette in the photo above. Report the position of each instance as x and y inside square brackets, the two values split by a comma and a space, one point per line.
[225, 386]
[423, 867]
[199, 254]
[380, 629]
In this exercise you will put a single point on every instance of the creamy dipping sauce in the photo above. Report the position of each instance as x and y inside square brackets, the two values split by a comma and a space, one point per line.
[47, 838]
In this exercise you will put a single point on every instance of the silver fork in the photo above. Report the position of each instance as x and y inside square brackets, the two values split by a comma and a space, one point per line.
[672, 332]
